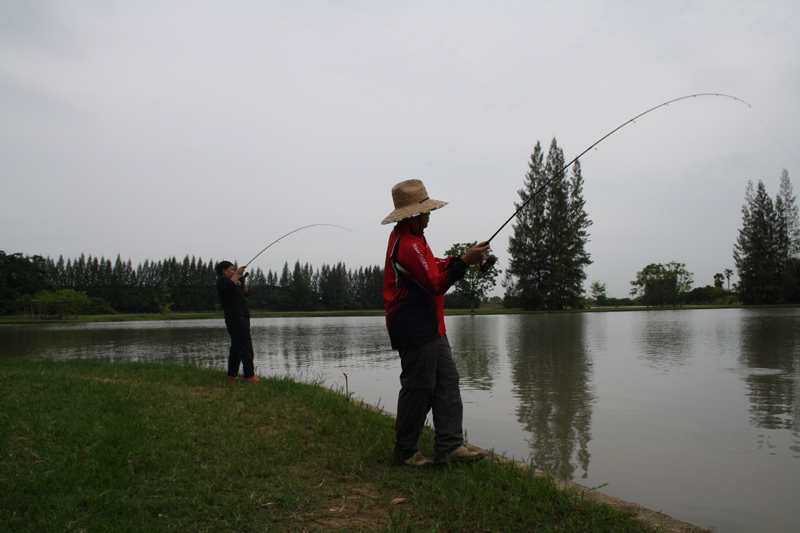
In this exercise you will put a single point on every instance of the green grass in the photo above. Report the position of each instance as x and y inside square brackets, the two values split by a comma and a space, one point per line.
[93, 446]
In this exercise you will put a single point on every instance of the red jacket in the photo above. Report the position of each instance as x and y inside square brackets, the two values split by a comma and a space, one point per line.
[414, 283]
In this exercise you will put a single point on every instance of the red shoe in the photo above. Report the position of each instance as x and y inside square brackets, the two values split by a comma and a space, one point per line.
[231, 379]
[252, 379]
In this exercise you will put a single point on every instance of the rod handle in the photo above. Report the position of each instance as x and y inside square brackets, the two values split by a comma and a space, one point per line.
[488, 262]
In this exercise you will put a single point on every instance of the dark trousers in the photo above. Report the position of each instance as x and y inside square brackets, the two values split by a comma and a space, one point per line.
[429, 381]
[241, 346]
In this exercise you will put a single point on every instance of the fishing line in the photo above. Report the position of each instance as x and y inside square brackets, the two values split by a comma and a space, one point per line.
[776, 138]
[604, 137]
[284, 236]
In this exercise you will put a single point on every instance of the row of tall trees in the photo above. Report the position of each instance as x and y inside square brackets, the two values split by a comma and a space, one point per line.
[332, 287]
[767, 251]
[40, 285]
[91, 285]
[546, 269]
[152, 286]
[548, 248]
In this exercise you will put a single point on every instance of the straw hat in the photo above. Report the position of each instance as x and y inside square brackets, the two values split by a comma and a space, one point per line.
[411, 199]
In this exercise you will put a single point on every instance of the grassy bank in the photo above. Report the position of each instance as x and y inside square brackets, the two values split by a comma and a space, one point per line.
[91, 446]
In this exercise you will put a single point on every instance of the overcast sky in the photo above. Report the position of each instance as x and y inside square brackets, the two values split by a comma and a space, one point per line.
[152, 129]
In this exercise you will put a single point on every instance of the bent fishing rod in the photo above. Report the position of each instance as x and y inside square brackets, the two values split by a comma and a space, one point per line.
[283, 237]
[491, 259]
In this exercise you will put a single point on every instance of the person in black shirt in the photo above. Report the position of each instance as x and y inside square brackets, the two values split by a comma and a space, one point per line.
[232, 289]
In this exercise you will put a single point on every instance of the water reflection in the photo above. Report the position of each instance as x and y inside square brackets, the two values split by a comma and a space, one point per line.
[552, 371]
[311, 348]
[770, 349]
[475, 350]
[195, 342]
[664, 339]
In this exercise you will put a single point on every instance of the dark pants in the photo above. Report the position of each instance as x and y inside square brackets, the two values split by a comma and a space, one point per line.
[241, 346]
[429, 380]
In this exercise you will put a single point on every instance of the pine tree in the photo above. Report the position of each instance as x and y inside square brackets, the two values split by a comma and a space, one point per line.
[767, 252]
[302, 287]
[526, 246]
[548, 253]
[756, 252]
[557, 224]
[576, 257]
[334, 290]
[788, 219]
[286, 277]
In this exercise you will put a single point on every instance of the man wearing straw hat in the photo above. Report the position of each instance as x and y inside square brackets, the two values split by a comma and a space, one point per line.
[414, 284]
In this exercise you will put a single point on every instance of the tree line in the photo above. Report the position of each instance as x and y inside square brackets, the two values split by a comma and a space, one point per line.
[548, 255]
[546, 270]
[766, 255]
[93, 285]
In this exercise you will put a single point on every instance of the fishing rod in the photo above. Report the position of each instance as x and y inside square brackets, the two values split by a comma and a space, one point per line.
[284, 236]
[491, 259]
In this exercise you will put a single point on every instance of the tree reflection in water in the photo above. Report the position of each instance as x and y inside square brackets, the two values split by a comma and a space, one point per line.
[550, 372]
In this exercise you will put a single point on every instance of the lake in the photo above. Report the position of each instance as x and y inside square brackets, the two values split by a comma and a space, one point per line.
[694, 413]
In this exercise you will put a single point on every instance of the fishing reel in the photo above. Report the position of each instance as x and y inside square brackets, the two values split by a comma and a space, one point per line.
[488, 262]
